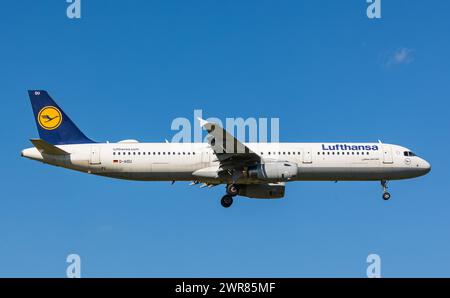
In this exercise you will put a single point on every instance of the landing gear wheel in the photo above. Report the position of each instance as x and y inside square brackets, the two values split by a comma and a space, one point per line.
[226, 201]
[232, 190]
[386, 195]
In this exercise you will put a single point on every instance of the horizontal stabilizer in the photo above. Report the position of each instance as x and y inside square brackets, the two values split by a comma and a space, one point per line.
[47, 148]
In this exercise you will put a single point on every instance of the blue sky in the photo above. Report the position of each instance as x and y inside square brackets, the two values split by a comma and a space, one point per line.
[126, 70]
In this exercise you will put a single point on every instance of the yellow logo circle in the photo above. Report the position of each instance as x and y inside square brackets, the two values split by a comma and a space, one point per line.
[49, 118]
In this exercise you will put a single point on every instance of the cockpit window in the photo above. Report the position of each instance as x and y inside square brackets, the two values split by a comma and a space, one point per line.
[409, 153]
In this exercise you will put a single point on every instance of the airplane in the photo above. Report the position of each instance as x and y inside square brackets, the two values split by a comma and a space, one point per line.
[253, 170]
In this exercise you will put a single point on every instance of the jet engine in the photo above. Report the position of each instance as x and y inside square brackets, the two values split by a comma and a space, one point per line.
[273, 171]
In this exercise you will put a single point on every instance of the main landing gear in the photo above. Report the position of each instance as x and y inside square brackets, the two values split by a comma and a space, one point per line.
[227, 200]
[386, 194]
[232, 190]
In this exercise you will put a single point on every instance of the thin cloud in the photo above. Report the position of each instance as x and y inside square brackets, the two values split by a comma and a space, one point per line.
[398, 57]
[403, 56]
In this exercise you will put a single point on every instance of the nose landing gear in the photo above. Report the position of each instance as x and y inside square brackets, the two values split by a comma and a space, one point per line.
[386, 194]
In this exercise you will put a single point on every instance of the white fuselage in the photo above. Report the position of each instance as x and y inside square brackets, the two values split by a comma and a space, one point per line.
[197, 162]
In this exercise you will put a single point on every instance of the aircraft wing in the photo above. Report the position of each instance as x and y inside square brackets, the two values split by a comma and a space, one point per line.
[230, 152]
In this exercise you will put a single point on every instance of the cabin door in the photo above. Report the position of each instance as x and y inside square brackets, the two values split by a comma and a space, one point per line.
[387, 154]
[95, 155]
[307, 155]
[205, 158]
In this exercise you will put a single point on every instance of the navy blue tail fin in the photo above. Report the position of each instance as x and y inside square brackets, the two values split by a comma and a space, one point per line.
[54, 126]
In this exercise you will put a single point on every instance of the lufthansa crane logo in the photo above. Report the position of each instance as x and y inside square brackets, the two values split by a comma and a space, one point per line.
[49, 118]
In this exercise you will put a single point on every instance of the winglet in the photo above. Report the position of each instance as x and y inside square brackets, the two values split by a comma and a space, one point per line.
[203, 122]
[47, 148]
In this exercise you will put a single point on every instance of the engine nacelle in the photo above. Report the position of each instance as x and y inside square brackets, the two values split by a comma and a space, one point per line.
[273, 171]
[262, 191]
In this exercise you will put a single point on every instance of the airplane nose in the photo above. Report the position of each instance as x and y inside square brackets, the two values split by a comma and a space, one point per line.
[426, 166]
